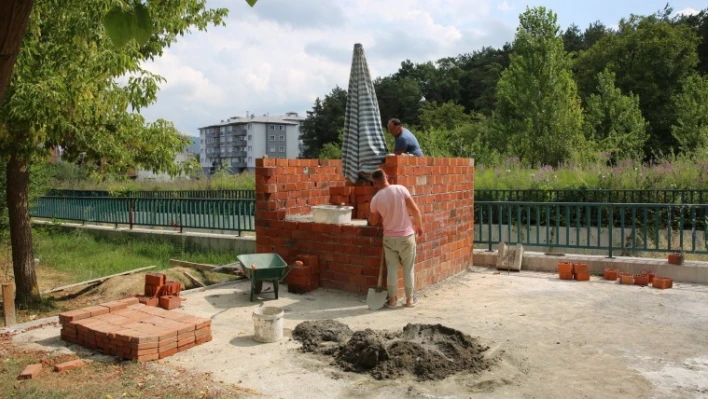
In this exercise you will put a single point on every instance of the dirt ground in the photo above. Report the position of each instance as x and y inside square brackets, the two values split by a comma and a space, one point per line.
[549, 339]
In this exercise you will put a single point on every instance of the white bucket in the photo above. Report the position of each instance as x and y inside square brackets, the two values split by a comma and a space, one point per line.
[268, 324]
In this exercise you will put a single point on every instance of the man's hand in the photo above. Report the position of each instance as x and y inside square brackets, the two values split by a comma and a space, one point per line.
[418, 230]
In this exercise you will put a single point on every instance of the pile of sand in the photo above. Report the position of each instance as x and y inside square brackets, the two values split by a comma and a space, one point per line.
[429, 352]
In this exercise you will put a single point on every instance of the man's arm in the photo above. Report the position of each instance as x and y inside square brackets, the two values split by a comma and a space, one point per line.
[399, 146]
[374, 218]
[415, 212]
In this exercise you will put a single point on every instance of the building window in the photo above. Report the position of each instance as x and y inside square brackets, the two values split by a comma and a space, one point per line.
[281, 148]
[250, 148]
[249, 126]
[271, 127]
[281, 127]
[250, 159]
[281, 138]
[250, 137]
[271, 138]
[272, 149]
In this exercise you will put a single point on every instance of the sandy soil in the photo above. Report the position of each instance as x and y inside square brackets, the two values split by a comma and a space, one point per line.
[551, 339]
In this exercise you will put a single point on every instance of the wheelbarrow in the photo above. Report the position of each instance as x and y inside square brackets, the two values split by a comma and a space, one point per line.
[264, 267]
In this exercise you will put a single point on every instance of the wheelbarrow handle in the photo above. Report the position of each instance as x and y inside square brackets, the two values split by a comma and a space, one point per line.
[288, 269]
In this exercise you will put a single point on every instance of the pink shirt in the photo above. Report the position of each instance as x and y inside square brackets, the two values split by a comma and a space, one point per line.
[390, 203]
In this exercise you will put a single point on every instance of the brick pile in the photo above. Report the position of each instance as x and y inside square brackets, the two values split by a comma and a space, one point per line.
[348, 256]
[131, 330]
[160, 292]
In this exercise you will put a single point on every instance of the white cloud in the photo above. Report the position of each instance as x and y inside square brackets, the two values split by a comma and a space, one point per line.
[687, 11]
[282, 54]
[504, 7]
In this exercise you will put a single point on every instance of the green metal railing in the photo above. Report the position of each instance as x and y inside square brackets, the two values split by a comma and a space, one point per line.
[217, 214]
[203, 194]
[595, 226]
[597, 196]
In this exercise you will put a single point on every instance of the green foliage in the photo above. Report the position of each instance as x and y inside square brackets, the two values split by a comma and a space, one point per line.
[447, 116]
[325, 123]
[689, 171]
[399, 97]
[651, 57]
[331, 151]
[65, 92]
[538, 116]
[123, 25]
[691, 129]
[613, 122]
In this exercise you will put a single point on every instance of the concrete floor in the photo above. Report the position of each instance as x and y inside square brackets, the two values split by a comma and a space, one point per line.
[554, 339]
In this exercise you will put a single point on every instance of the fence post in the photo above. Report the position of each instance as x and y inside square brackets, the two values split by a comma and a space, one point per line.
[611, 226]
[181, 211]
[8, 303]
[132, 213]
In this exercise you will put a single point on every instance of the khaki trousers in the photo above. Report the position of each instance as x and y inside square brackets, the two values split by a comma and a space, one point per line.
[400, 251]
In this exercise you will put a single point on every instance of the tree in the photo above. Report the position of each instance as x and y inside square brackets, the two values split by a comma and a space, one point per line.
[614, 122]
[325, 123]
[65, 93]
[573, 39]
[447, 116]
[699, 22]
[538, 116]
[398, 98]
[651, 57]
[481, 72]
[691, 129]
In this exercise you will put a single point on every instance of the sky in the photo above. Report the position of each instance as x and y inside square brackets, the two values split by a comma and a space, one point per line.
[282, 54]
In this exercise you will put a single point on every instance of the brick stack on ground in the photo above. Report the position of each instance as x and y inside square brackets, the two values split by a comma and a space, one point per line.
[160, 292]
[130, 330]
[347, 257]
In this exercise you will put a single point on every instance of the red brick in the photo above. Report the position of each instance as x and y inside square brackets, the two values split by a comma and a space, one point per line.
[186, 341]
[130, 300]
[152, 290]
[170, 302]
[203, 339]
[70, 365]
[114, 306]
[149, 300]
[157, 279]
[147, 358]
[30, 371]
[95, 310]
[73, 315]
[169, 352]
[186, 347]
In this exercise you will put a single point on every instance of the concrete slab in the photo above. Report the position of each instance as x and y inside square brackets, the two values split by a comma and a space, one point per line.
[554, 339]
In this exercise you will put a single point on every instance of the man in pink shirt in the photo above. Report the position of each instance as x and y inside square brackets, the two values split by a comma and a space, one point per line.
[393, 205]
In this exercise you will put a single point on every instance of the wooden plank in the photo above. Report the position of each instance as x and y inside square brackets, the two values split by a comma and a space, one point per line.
[97, 280]
[8, 303]
[194, 280]
[191, 265]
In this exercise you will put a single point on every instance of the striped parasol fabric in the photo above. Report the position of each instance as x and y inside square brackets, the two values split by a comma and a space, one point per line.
[364, 146]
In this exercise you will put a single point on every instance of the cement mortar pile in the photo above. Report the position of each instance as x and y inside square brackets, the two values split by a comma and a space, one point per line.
[428, 352]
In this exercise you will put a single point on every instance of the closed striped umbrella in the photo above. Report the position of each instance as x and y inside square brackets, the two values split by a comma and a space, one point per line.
[364, 146]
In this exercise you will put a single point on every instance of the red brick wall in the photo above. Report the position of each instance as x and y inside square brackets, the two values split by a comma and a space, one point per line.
[347, 257]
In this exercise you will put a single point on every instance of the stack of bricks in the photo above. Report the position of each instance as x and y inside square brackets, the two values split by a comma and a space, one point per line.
[305, 275]
[349, 255]
[131, 330]
[160, 292]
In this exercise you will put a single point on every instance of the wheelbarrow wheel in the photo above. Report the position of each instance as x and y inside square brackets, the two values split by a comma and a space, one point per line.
[258, 287]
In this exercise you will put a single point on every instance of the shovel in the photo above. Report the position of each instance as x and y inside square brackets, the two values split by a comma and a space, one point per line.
[376, 298]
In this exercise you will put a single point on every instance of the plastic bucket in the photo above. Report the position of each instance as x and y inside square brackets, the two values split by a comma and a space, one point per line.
[268, 324]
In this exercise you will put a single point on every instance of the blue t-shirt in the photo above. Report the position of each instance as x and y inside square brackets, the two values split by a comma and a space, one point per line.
[407, 143]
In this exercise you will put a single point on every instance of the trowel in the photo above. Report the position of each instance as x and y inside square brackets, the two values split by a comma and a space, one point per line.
[376, 297]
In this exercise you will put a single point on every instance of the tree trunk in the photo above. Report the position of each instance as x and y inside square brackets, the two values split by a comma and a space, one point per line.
[14, 17]
[27, 290]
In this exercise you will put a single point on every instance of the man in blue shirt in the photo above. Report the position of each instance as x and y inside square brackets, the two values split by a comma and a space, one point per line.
[406, 143]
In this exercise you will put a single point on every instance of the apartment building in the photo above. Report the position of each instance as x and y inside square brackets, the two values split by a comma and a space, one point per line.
[235, 143]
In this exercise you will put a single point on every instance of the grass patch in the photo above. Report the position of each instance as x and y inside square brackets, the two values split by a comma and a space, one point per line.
[83, 256]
